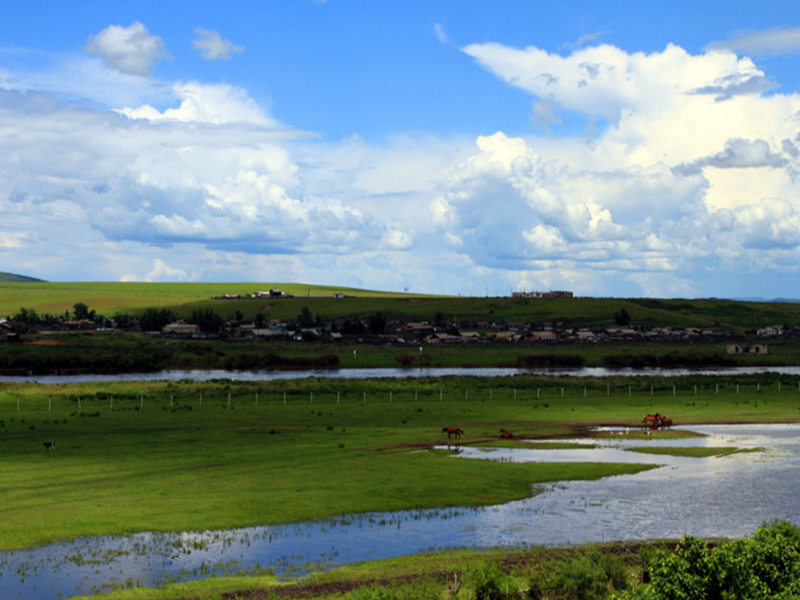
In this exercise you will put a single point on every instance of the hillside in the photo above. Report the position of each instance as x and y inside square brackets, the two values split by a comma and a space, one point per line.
[13, 278]
[182, 298]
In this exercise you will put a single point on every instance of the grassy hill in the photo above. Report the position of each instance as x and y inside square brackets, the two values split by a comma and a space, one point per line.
[112, 298]
[11, 277]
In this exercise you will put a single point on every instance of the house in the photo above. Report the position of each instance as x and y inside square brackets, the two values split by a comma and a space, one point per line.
[747, 349]
[180, 328]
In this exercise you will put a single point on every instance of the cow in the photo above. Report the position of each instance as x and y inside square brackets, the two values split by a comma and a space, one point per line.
[506, 435]
[452, 432]
[49, 446]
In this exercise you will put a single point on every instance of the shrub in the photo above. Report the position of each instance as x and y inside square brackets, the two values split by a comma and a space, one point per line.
[583, 578]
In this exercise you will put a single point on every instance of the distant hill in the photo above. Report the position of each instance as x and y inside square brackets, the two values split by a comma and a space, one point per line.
[12, 278]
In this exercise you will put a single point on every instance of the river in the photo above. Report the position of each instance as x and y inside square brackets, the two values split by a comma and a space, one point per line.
[269, 375]
[728, 496]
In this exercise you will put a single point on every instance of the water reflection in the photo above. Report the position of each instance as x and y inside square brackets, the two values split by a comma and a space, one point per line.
[352, 373]
[726, 496]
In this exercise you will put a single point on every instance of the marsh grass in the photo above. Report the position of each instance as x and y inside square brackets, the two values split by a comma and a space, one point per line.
[703, 452]
[177, 456]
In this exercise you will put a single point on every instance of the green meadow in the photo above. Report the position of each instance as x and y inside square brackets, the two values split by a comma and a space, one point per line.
[185, 455]
[115, 298]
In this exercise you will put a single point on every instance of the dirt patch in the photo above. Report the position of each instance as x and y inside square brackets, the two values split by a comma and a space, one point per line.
[47, 343]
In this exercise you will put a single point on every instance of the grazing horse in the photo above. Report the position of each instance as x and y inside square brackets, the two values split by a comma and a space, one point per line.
[452, 432]
[656, 421]
[49, 445]
[506, 435]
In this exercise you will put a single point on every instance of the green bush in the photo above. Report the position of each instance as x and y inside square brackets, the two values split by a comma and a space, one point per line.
[764, 566]
[587, 577]
[489, 582]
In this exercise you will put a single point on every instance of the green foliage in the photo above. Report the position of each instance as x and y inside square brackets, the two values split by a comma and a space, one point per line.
[82, 312]
[591, 577]
[154, 319]
[421, 589]
[489, 582]
[766, 565]
[207, 320]
[622, 318]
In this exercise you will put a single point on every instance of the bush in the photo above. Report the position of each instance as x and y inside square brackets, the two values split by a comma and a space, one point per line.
[490, 583]
[583, 578]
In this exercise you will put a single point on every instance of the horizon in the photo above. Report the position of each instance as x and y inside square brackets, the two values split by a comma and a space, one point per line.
[453, 148]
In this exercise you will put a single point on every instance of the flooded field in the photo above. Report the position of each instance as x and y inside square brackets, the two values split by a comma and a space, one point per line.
[727, 496]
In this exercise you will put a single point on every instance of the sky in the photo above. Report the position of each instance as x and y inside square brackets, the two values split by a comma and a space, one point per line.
[464, 147]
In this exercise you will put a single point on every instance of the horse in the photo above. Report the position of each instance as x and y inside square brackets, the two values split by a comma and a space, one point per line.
[452, 432]
[49, 445]
[507, 435]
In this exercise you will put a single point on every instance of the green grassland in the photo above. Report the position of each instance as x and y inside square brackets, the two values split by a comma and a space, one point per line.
[186, 455]
[113, 298]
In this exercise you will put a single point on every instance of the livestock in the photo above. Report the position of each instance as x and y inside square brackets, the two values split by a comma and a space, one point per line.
[49, 446]
[506, 435]
[452, 432]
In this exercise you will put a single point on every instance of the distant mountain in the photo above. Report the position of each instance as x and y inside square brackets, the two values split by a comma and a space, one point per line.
[12, 278]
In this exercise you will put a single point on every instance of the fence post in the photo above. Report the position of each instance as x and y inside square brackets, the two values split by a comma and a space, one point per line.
[338, 398]
[229, 398]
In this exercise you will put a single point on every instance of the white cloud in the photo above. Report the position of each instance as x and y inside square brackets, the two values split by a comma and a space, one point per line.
[129, 49]
[693, 173]
[212, 46]
[778, 40]
[206, 103]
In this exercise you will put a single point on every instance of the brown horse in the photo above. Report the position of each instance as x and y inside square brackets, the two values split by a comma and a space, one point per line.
[506, 435]
[452, 432]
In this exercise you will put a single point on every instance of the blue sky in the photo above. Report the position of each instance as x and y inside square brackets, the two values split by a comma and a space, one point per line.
[463, 147]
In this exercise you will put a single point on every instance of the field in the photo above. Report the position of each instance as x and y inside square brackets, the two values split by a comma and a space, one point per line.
[178, 456]
[114, 298]
[186, 456]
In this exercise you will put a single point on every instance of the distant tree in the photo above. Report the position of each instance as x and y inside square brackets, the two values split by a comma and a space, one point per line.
[154, 319]
[27, 316]
[438, 319]
[304, 319]
[82, 312]
[377, 324]
[260, 321]
[124, 321]
[353, 327]
[207, 320]
[622, 318]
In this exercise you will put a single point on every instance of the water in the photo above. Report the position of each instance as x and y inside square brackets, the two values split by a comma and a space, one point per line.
[726, 496]
[266, 375]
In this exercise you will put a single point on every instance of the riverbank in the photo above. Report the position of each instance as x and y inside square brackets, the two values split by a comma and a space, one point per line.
[185, 455]
[70, 354]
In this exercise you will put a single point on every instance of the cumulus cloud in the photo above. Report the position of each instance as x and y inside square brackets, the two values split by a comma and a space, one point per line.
[693, 174]
[212, 46]
[131, 49]
[205, 103]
